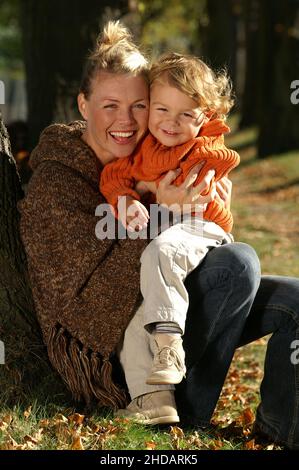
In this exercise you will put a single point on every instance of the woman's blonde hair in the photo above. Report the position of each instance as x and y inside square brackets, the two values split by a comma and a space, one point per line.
[193, 77]
[114, 52]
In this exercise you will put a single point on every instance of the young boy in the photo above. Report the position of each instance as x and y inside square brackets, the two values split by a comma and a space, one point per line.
[187, 105]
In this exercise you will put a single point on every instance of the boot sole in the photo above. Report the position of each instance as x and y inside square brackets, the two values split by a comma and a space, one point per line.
[160, 420]
[161, 381]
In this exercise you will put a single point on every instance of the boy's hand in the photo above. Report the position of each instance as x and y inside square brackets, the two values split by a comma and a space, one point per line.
[132, 214]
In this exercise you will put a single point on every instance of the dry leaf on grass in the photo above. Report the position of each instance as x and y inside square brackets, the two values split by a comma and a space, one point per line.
[76, 418]
[151, 445]
[77, 442]
[27, 412]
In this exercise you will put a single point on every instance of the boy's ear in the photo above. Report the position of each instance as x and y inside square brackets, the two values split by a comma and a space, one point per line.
[81, 100]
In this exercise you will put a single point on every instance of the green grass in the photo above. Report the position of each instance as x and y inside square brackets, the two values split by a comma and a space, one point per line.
[265, 208]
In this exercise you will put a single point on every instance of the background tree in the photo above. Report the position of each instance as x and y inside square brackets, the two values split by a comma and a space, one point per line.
[251, 11]
[218, 31]
[56, 38]
[278, 117]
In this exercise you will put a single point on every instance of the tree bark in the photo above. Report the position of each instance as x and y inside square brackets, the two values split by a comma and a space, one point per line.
[25, 355]
[57, 36]
[249, 112]
[279, 67]
[219, 35]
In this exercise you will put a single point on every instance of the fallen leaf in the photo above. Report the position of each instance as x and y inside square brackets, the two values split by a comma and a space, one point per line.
[7, 419]
[76, 418]
[60, 418]
[177, 432]
[247, 417]
[216, 445]
[77, 443]
[44, 423]
[27, 412]
[3, 425]
[151, 445]
[250, 445]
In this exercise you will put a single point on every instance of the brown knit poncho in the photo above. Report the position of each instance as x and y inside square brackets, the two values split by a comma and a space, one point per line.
[85, 290]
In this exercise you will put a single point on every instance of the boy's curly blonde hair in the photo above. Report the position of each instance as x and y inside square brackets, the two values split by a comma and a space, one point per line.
[190, 75]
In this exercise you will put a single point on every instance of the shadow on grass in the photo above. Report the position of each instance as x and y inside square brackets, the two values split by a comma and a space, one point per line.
[280, 187]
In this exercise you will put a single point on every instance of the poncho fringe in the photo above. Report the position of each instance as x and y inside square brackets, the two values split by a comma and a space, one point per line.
[85, 373]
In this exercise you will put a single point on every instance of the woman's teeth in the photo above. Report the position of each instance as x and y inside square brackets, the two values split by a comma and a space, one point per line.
[122, 134]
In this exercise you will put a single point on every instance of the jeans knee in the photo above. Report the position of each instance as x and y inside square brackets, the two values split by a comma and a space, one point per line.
[246, 263]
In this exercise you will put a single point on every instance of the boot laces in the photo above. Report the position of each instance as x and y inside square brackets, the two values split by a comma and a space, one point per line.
[167, 356]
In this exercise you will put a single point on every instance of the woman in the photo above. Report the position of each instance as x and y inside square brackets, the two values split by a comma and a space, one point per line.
[87, 290]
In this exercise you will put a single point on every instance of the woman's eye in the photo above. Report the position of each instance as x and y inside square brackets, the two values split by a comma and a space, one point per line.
[109, 106]
[140, 106]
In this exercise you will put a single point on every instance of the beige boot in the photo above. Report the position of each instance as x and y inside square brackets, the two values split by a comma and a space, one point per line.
[169, 360]
[152, 408]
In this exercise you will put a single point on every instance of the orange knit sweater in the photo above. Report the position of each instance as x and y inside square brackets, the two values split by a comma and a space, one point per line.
[152, 160]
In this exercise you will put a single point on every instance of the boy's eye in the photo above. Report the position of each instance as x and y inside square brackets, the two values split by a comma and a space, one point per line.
[161, 109]
[188, 115]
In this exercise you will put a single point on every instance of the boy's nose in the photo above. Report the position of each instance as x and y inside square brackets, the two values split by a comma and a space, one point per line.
[174, 119]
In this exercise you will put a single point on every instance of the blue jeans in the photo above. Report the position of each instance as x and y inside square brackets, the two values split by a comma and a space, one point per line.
[231, 305]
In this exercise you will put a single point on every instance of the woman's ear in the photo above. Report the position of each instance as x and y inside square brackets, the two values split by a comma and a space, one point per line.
[81, 100]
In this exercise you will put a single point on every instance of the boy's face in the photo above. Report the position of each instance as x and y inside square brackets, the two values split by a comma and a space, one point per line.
[174, 117]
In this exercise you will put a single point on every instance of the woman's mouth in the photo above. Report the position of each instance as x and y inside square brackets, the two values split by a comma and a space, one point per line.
[122, 137]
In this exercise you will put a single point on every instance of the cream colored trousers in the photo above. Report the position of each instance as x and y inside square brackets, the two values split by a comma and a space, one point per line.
[136, 357]
[167, 261]
[165, 264]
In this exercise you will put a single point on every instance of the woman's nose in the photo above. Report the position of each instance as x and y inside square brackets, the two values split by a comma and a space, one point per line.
[126, 115]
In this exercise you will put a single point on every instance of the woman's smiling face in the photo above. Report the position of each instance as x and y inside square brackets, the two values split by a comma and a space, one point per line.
[116, 112]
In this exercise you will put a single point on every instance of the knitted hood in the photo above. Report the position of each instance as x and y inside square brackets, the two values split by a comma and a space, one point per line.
[57, 144]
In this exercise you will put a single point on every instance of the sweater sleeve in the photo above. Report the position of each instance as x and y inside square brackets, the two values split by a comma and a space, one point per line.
[116, 180]
[216, 156]
[217, 213]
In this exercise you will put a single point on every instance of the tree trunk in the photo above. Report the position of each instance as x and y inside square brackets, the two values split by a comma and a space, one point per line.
[250, 95]
[57, 36]
[219, 35]
[25, 355]
[279, 65]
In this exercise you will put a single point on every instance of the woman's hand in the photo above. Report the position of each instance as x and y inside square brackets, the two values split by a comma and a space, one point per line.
[224, 191]
[173, 196]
